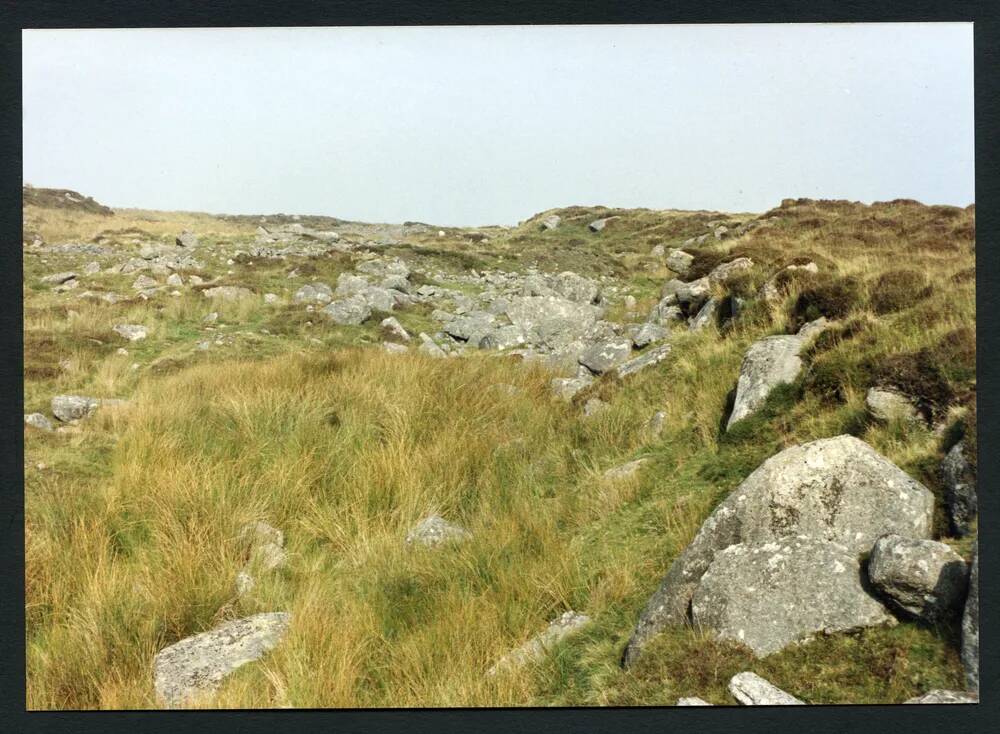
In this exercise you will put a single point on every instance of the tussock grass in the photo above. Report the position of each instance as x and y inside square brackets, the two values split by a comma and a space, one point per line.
[345, 447]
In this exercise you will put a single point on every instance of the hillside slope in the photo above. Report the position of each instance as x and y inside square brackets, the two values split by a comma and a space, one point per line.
[271, 412]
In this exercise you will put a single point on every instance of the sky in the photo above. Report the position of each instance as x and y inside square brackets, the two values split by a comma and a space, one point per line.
[489, 125]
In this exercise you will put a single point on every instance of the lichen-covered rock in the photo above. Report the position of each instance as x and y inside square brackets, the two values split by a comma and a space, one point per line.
[649, 333]
[594, 406]
[889, 405]
[538, 646]
[837, 489]
[970, 629]
[195, 666]
[650, 357]
[313, 293]
[353, 310]
[58, 278]
[143, 282]
[752, 690]
[939, 695]
[73, 407]
[601, 357]
[434, 531]
[39, 421]
[960, 489]
[551, 321]
[923, 578]
[679, 261]
[727, 271]
[132, 332]
[666, 311]
[770, 595]
[772, 361]
[565, 388]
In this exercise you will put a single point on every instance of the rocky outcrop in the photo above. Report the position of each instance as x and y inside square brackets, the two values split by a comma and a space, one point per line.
[752, 690]
[195, 667]
[923, 578]
[837, 489]
[551, 222]
[772, 361]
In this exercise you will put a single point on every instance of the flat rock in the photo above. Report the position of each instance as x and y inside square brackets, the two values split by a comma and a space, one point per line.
[565, 388]
[771, 595]
[752, 690]
[39, 421]
[196, 666]
[551, 321]
[652, 356]
[603, 356]
[143, 282]
[132, 332]
[940, 695]
[435, 530]
[923, 578]
[59, 278]
[836, 489]
[429, 347]
[692, 701]
[537, 647]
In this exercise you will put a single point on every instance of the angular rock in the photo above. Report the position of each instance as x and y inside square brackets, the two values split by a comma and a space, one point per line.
[434, 531]
[970, 629]
[271, 298]
[550, 320]
[504, 337]
[143, 282]
[959, 479]
[395, 328]
[39, 421]
[175, 280]
[650, 357]
[772, 361]
[768, 596]
[73, 407]
[186, 239]
[649, 333]
[665, 312]
[603, 356]
[132, 332]
[837, 489]
[551, 222]
[353, 310]
[429, 347]
[538, 646]
[706, 315]
[92, 268]
[693, 295]
[313, 293]
[658, 251]
[598, 224]
[940, 695]
[752, 690]
[670, 288]
[692, 701]
[923, 578]
[196, 666]
[679, 261]
[727, 271]
[474, 322]
[58, 278]
[889, 405]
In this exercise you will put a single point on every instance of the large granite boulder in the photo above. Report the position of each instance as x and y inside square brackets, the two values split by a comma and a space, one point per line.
[835, 489]
[770, 595]
[195, 666]
[923, 578]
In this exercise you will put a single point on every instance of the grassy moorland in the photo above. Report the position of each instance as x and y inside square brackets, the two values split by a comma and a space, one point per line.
[132, 517]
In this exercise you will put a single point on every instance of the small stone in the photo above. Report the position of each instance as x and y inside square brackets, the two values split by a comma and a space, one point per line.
[594, 406]
[434, 531]
[625, 471]
[889, 406]
[656, 423]
[752, 690]
[39, 421]
[132, 332]
[692, 701]
[175, 280]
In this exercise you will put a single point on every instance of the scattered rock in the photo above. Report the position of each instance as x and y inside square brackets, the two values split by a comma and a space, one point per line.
[772, 361]
[594, 406]
[752, 690]
[92, 268]
[625, 471]
[939, 695]
[658, 251]
[603, 356]
[692, 701]
[195, 666]
[143, 282]
[186, 239]
[59, 278]
[353, 310]
[551, 222]
[132, 332]
[656, 423]
[649, 333]
[434, 531]
[39, 421]
[538, 646]
[648, 358]
[924, 578]
[679, 261]
[73, 407]
[824, 489]
[313, 293]
[706, 315]
[888, 406]
[392, 325]
[429, 347]
[566, 388]
[175, 280]
[692, 296]
[598, 224]
[271, 298]
[959, 479]
[724, 273]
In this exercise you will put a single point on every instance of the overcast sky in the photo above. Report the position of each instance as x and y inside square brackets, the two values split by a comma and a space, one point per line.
[488, 125]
